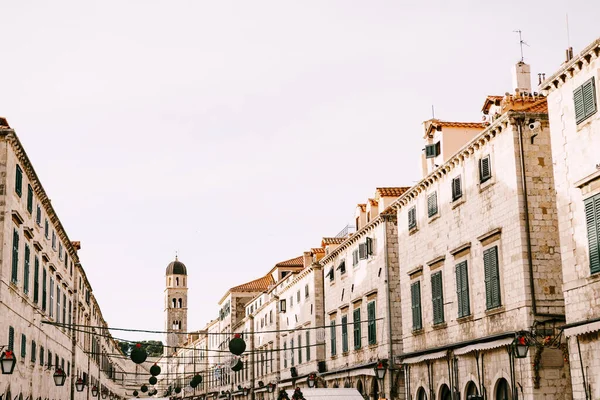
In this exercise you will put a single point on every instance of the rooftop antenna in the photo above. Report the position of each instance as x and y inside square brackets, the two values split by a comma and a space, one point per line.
[176, 255]
[521, 43]
[569, 48]
[432, 112]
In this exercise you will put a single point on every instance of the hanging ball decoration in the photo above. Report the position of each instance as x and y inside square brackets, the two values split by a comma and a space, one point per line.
[193, 384]
[196, 380]
[138, 355]
[135, 393]
[177, 389]
[153, 380]
[238, 367]
[155, 370]
[144, 388]
[237, 345]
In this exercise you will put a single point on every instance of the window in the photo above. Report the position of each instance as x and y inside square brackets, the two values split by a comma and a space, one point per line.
[298, 297]
[356, 329]
[23, 346]
[362, 251]
[306, 291]
[33, 351]
[44, 275]
[592, 216]
[54, 240]
[344, 334]
[64, 316]
[584, 98]
[38, 215]
[60, 251]
[300, 349]
[46, 228]
[51, 305]
[58, 303]
[307, 345]
[462, 289]
[485, 169]
[415, 294]
[412, 217]
[11, 338]
[15, 257]
[333, 337]
[432, 207]
[49, 359]
[355, 258]
[456, 188]
[42, 354]
[26, 270]
[292, 351]
[437, 296]
[492, 278]
[29, 199]
[36, 279]
[342, 267]
[19, 181]
[369, 245]
[432, 150]
[291, 301]
[331, 274]
[371, 326]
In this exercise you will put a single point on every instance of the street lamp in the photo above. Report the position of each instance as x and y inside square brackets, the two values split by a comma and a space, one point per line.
[520, 347]
[104, 394]
[8, 362]
[380, 370]
[311, 380]
[270, 387]
[79, 384]
[59, 377]
[95, 391]
[245, 391]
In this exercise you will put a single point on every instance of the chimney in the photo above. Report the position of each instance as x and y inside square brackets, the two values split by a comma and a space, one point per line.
[307, 259]
[521, 75]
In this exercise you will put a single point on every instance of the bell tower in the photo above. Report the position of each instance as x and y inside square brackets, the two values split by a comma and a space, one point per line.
[175, 305]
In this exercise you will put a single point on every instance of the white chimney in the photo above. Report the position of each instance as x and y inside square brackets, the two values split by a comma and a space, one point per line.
[521, 76]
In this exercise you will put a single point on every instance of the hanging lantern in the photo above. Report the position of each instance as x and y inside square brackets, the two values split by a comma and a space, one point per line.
[8, 362]
[104, 394]
[59, 377]
[155, 370]
[135, 393]
[311, 380]
[144, 388]
[178, 390]
[237, 345]
[79, 384]
[270, 387]
[152, 380]
[138, 355]
[95, 391]
[380, 370]
[238, 366]
[520, 347]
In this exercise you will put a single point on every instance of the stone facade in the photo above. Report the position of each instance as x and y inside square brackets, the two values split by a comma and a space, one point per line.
[42, 280]
[575, 144]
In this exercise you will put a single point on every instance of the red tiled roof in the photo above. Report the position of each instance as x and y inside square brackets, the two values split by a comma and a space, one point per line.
[491, 99]
[391, 191]
[257, 285]
[292, 262]
[432, 124]
[4, 122]
[540, 106]
[332, 240]
[373, 202]
[317, 250]
[363, 207]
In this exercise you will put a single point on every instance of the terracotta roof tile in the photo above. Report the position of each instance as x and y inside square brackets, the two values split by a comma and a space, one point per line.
[433, 124]
[363, 207]
[373, 202]
[332, 240]
[391, 191]
[292, 262]
[257, 285]
[490, 100]
[317, 250]
[537, 107]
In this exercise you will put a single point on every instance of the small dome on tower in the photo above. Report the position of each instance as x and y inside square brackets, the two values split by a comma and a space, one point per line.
[176, 268]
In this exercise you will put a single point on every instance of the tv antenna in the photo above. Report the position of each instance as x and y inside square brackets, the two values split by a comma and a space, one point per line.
[521, 43]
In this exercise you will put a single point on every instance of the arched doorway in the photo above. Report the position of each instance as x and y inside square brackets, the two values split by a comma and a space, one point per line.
[375, 392]
[502, 390]
[421, 394]
[445, 393]
[359, 387]
[471, 390]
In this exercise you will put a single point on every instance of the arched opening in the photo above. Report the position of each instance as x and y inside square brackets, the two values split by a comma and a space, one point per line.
[170, 282]
[445, 393]
[375, 391]
[174, 303]
[502, 390]
[421, 394]
[471, 391]
[176, 281]
[359, 387]
[179, 325]
[180, 303]
[347, 383]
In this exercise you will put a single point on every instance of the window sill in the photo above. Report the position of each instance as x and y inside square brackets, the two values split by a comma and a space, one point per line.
[413, 230]
[373, 345]
[594, 277]
[466, 318]
[494, 311]
[458, 202]
[417, 332]
[483, 186]
[582, 124]
[440, 325]
[433, 218]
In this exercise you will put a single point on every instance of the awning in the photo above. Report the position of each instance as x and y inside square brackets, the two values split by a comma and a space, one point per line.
[328, 394]
[494, 344]
[583, 329]
[354, 372]
[425, 357]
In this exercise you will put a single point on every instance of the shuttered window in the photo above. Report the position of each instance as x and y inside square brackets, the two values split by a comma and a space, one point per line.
[412, 218]
[357, 330]
[362, 251]
[371, 326]
[415, 294]
[300, 349]
[492, 278]
[26, 270]
[51, 305]
[33, 351]
[344, 334]
[355, 258]
[15, 257]
[29, 199]
[432, 150]
[584, 98]
[42, 354]
[592, 218]
[333, 338]
[462, 289]
[36, 279]
[432, 207]
[23, 346]
[437, 296]
[307, 345]
[485, 169]
[456, 188]
[285, 355]
[369, 244]
[19, 181]
[44, 277]
[38, 215]
[11, 338]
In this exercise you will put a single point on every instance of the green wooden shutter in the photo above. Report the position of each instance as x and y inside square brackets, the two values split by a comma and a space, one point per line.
[19, 181]
[369, 246]
[415, 291]
[492, 281]
[485, 170]
[579, 106]
[11, 338]
[432, 207]
[285, 355]
[344, 333]
[462, 289]
[36, 279]
[371, 328]
[412, 217]
[44, 277]
[357, 329]
[307, 345]
[589, 97]
[592, 217]
[456, 188]
[300, 349]
[15, 257]
[333, 337]
[26, 270]
[23, 346]
[29, 199]
[437, 294]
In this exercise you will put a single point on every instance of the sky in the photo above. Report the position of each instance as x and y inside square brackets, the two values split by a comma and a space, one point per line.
[239, 133]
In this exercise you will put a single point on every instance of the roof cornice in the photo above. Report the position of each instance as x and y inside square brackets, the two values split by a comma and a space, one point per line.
[571, 68]
[305, 272]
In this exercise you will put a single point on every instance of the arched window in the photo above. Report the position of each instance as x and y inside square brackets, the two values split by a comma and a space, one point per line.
[169, 281]
[421, 395]
[445, 393]
[174, 303]
[179, 325]
[180, 303]
[176, 281]
[471, 390]
[502, 390]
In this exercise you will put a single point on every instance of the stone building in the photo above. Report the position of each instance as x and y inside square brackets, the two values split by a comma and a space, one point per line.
[361, 283]
[480, 262]
[43, 290]
[175, 304]
[575, 131]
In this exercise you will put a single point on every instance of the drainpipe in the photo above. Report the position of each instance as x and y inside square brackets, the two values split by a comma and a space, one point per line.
[519, 122]
[73, 342]
[386, 219]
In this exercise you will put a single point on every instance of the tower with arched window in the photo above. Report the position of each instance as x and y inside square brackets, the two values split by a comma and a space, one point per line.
[175, 305]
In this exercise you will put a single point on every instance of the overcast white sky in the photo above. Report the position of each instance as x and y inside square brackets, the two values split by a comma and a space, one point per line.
[241, 132]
